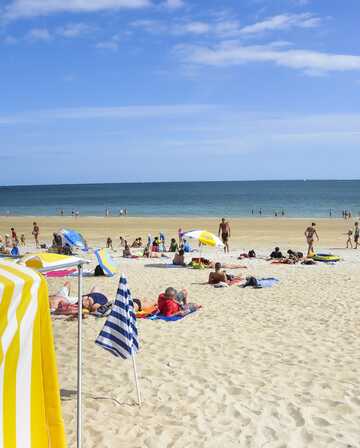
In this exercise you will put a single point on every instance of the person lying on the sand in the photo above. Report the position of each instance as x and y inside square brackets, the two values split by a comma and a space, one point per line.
[174, 303]
[250, 254]
[211, 264]
[294, 255]
[91, 301]
[220, 276]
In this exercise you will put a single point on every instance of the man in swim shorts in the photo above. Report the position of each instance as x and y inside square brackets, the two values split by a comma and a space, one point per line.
[309, 234]
[224, 231]
[356, 235]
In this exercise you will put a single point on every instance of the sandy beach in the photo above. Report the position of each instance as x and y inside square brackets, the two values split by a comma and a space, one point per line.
[274, 368]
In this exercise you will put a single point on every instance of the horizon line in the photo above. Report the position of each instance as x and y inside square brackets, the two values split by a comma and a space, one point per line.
[179, 181]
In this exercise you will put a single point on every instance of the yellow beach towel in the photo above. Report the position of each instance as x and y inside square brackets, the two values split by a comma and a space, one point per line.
[30, 409]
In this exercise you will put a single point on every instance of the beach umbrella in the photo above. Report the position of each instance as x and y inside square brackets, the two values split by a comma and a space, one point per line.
[119, 335]
[74, 238]
[30, 409]
[106, 262]
[44, 262]
[204, 237]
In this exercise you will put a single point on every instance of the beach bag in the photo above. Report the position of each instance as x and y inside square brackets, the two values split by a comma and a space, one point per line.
[99, 271]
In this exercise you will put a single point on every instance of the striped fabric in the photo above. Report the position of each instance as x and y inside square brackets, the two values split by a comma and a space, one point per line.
[119, 335]
[106, 262]
[30, 410]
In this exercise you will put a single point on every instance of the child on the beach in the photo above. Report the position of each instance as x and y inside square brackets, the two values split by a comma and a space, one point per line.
[348, 241]
[22, 239]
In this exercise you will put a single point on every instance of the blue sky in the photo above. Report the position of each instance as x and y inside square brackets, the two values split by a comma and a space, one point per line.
[148, 90]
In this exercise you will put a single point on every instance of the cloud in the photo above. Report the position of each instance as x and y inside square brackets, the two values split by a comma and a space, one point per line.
[122, 112]
[174, 4]
[283, 22]
[72, 30]
[32, 8]
[227, 27]
[108, 45]
[234, 53]
[39, 34]
[10, 40]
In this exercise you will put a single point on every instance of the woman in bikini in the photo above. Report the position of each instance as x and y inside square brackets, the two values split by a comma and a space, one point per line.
[309, 234]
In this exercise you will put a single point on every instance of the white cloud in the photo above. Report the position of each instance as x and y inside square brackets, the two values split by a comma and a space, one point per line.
[283, 22]
[73, 30]
[10, 40]
[39, 34]
[227, 27]
[108, 45]
[193, 28]
[31, 8]
[233, 53]
[174, 4]
[122, 112]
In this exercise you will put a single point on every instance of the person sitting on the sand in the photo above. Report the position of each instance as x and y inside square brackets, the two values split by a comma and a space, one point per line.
[109, 243]
[137, 243]
[155, 244]
[179, 258]
[173, 245]
[294, 255]
[217, 276]
[276, 254]
[174, 303]
[91, 301]
[126, 251]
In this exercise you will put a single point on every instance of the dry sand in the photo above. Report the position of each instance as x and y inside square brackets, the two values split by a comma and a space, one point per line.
[270, 368]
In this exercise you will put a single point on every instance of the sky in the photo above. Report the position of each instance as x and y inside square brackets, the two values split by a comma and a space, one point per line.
[178, 90]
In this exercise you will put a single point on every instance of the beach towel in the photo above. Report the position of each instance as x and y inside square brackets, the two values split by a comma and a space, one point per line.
[260, 283]
[159, 316]
[86, 273]
[267, 282]
[146, 312]
[60, 273]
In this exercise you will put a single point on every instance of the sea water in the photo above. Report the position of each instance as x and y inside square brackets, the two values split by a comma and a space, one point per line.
[243, 198]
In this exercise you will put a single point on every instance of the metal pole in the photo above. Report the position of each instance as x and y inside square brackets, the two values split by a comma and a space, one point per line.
[136, 380]
[79, 361]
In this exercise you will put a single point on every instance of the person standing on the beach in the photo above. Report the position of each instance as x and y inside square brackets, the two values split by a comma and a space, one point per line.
[35, 232]
[348, 241]
[356, 235]
[309, 234]
[224, 230]
[180, 235]
[14, 237]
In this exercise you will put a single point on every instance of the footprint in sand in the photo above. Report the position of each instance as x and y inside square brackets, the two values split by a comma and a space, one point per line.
[296, 414]
[319, 421]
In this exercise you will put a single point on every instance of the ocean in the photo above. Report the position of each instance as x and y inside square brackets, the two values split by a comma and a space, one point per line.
[217, 199]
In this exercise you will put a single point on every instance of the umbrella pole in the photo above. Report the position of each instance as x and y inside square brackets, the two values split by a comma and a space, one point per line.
[136, 379]
[79, 361]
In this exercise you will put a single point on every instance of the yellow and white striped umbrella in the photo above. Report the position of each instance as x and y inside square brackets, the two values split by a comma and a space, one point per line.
[47, 260]
[30, 410]
[207, 238]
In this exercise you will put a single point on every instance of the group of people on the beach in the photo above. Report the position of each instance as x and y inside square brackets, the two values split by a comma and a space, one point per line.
[10, 244]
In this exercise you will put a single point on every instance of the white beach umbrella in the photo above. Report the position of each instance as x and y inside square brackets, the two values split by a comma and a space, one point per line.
[204, 237]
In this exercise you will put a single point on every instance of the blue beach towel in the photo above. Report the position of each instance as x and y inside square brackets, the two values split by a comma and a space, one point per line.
[267, 282]
[168, 318]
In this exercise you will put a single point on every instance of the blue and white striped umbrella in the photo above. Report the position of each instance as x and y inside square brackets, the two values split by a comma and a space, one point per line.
[119, 334]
